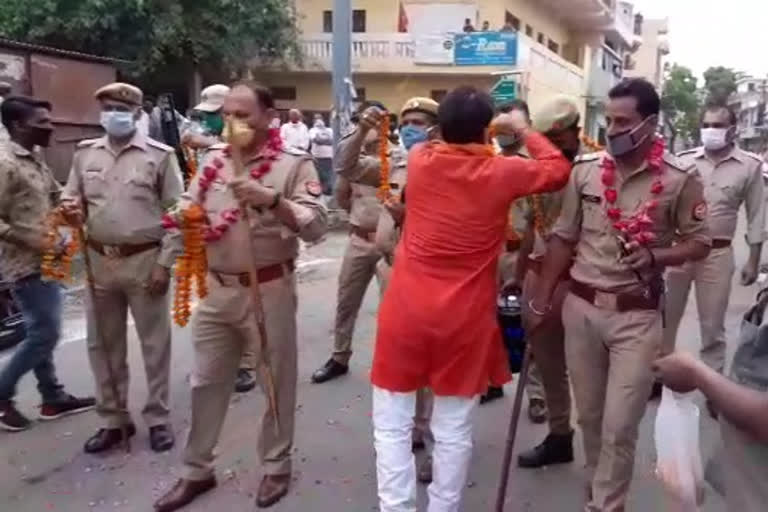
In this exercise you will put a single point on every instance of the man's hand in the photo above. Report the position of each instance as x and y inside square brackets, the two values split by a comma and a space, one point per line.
[638, 258]
[532, 321]
[252, 192]
[513, 123]
[396, 209]
[72, 212]
[371, 118]
[749, 274]
[159, 281]
[679, 372]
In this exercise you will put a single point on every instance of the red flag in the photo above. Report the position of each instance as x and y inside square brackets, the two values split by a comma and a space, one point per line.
[402, 21]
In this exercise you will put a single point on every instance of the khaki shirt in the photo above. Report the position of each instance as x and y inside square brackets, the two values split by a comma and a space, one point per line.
[541, 208]
[681, 213]
[728, 183]
[387, 232]
[363, 171]
[28, 192]
[127, 192]
[293, 174]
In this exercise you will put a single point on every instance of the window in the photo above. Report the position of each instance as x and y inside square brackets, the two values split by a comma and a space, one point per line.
[438, 94]
[284, 93]
[553, 46]
[541, 39]
[358, 21]
[512, 20]
[327, 21]
[529, 31]
[360, 93]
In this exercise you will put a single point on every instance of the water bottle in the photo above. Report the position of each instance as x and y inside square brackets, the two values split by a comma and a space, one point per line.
[509, 315]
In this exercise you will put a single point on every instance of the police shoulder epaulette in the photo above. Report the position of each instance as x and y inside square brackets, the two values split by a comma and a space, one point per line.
[86, 143]
[588, 157]
[688, 152]
[753, 156]
[674, 162]
[159, 145]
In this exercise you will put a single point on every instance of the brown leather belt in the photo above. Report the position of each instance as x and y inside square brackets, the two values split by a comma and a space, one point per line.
[720, 243]
[620, 302]
[536, 266]
[512, 245]
[365, 234]
[121, 250]
[264, 274]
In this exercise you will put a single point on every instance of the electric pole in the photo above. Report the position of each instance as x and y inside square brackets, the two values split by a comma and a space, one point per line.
[342, 65]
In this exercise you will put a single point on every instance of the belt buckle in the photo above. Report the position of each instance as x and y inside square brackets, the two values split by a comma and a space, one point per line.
[112, 251]
[605, 300]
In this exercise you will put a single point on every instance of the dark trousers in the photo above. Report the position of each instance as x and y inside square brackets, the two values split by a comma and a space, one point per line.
[40, 304]
[325, 172]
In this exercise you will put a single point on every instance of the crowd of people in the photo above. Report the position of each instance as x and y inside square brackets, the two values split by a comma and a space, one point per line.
[602, 247]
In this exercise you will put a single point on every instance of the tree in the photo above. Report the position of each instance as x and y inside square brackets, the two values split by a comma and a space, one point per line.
[162, 38]
[719, 83]
[680, 105]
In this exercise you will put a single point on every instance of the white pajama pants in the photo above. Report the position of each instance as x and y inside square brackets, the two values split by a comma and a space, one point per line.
[452, 419]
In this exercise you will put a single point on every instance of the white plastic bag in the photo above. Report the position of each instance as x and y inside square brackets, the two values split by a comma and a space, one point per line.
[678, 464]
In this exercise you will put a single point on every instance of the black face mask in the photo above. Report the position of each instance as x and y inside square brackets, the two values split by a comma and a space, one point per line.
[570, 153]
[36, 136]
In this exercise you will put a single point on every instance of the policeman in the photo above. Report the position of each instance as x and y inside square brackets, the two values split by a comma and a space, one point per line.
[516, 227]
[621, 213]
[284, 206]
[559, 121]
[732, 177]
[357, 160]
[418, 123]
[125, 180]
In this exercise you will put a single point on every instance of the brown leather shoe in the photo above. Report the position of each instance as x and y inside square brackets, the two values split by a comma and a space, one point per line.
[183, 493]
[272, 489]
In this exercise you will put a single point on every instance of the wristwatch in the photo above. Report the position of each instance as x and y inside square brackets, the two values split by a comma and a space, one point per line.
[276, 202]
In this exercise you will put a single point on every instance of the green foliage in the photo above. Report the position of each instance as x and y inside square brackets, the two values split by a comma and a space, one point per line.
[171, 37]
[680, 104]
[720, 83]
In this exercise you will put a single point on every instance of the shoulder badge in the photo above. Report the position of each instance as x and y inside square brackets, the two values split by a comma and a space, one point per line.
[313, 188]
[86, 143]
[676, 163]
[700, 211]
[159, 145]
[588, 157]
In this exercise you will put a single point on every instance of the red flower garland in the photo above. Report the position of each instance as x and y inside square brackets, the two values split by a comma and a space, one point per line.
[638, 226]
[214, 232]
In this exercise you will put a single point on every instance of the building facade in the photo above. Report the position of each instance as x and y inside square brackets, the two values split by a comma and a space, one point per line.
[405, 48]
[650, 59]
[749, 101]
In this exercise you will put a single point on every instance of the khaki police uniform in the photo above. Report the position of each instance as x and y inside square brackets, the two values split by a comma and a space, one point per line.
[126, 191]
[733, 181]
[612, 321]
[358, 267]
[225, 322]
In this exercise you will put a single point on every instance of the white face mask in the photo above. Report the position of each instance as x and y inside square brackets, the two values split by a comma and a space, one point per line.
[118, 124]
[714, 138]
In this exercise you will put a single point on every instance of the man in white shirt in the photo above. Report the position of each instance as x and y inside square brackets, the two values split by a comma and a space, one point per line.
[321, 138]
[295, 133]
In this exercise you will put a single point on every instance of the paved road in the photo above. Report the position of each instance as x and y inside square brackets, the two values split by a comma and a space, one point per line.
[44, 469]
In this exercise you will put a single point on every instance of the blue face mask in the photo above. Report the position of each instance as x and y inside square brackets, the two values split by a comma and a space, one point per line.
[506, 141]
[118, 124]
[412, 135]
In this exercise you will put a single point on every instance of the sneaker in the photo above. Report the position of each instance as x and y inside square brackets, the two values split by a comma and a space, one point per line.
[65, 406]
[11, 419]
[245, 381]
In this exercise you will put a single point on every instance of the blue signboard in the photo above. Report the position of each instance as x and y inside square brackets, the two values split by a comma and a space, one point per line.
[485, 49]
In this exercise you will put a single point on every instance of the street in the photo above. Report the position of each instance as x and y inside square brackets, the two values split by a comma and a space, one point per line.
[45, 469]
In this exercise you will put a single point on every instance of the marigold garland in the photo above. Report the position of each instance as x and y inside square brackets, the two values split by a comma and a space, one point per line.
[191, 158]
[57, 263]
[384, 188]
[191, 265]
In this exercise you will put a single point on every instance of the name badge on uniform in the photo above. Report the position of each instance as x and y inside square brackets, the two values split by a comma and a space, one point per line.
[589, 198]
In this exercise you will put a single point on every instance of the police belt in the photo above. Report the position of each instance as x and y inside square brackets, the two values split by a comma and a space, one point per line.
[620, 302]
[264, 275]
[121, 250]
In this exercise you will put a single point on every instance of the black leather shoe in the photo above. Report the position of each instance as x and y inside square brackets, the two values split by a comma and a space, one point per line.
[493, 393]
[556, 449]
[330, 370]
[245, 381]
[656, 391]
[107, 438]
[161, 438]
[184, 493]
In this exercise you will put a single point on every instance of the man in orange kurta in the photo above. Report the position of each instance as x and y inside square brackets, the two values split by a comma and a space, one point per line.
[437, 325]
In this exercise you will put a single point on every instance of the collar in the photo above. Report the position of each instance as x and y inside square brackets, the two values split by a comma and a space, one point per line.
[735, 154]
[20, 150]
[138, 141]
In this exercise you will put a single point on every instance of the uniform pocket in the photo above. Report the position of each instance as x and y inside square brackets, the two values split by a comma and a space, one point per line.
[141, 185]
[594, 217]
[94, 184]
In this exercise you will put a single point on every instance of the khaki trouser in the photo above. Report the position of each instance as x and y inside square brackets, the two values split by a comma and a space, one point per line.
[548, 348]
[223, 326]
[713, 277]
[357, 270]
[609, 357]
[424, 396]
[119, 286]
[534, 386]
